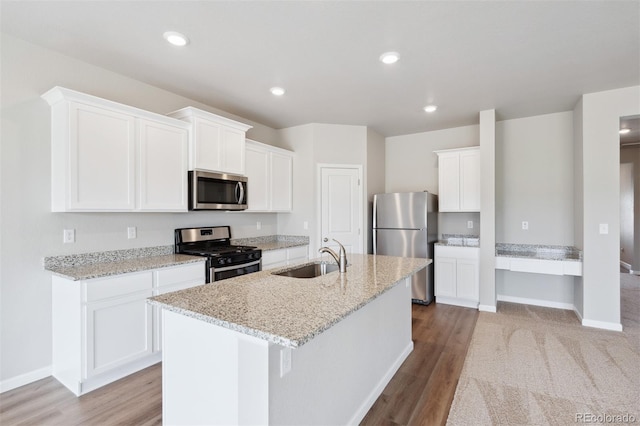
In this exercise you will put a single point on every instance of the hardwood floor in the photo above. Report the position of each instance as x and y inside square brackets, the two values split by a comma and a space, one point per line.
[420, 393]
[422, 390]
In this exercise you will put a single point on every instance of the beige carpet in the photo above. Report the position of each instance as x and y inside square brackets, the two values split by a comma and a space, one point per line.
[528, 365]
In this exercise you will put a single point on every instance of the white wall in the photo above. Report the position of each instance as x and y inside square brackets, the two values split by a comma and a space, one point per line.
[534, 179]
[578, 201]
[487, 210]
[375, 178]
[600, 124]
[630, 206]
[30, 231]
[314, 144]
[411, 165]
[534, 183]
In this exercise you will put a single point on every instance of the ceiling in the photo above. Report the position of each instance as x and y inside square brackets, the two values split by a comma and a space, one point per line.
[521, 58]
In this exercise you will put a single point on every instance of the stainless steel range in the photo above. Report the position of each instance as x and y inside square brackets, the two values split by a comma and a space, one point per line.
[223, 259]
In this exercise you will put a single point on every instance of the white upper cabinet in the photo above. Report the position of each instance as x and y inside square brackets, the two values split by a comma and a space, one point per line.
[459, 180]
[270, 178]
[106, 156]
[162, 159]
[217, 143]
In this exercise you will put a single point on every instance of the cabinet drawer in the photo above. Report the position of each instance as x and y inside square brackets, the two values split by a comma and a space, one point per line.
[458, 252]
[104, 288]
[193, 272]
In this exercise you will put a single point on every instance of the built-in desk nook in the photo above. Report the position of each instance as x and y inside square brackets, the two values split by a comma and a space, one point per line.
[539, 259]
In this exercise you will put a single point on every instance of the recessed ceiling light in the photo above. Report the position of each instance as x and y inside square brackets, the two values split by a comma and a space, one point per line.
[430, 108]
[176, 38]
[624, 131]
[278, 91]
[389, 57]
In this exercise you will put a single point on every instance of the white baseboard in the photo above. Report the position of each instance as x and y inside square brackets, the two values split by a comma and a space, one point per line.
[602, 324]
[456, 302]
[377, 391]
[578, 314]
[487, 308]
[536, 302]
[24, 379]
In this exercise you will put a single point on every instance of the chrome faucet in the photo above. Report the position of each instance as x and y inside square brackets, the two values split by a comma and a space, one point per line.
[341, 259]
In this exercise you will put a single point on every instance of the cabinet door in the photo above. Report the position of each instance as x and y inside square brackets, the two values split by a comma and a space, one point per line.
[207, 143]
[162, 170]
[445, 277]
[449, 182]
[297, 254]
[232, 151]
[118, 331]
[281, 182]
[470, 181]
[257, 171]
[274, 258]
[101, 159]
[467, 279]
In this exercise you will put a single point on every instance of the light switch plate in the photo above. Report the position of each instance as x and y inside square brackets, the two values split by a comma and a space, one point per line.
[305, 224]
[258, 225]
[604, 228]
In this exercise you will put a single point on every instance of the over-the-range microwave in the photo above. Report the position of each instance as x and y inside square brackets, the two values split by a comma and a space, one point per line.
[216, 191]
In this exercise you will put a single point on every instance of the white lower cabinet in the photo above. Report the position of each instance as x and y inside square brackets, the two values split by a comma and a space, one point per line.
[283, 257]
[103, 328]
[457, 274]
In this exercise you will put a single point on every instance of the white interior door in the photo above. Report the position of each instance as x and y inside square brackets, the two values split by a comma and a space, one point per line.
[341, 207]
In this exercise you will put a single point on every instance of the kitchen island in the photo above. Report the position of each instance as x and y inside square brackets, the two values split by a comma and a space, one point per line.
[268, 349]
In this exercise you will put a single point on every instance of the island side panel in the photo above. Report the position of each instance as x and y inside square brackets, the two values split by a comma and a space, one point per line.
[212, 375]
[336, 377]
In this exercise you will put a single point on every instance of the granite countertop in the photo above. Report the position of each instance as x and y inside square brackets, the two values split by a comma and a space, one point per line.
[455, 240]
[537, 251]
[86, 266]
[273, 242]
[290, 311]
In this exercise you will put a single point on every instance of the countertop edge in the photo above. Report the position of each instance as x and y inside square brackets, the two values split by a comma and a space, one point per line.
[276, 339]
[118, 268]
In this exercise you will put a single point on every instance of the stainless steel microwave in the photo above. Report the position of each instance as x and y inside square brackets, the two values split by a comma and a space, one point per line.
[217, 191]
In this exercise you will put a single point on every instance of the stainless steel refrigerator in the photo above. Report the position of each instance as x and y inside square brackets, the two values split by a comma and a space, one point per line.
[405, 224]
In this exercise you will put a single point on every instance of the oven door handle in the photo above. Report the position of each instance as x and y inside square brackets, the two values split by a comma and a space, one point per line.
[244, 265]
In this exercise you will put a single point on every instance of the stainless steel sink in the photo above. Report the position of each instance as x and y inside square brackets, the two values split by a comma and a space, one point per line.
[309, 270]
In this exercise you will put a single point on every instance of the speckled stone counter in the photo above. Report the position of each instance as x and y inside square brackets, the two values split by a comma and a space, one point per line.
[455, 240]
[86, 266]
[291, 311]
[541, 252]
[539, 259]
[273, 242]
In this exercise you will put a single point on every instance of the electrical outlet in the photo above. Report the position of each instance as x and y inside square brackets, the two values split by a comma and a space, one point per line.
[604, 228]
[132, 232]
[69, 236]
[525, 225]
[470, 224]
[285, 361]
[258, 225]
